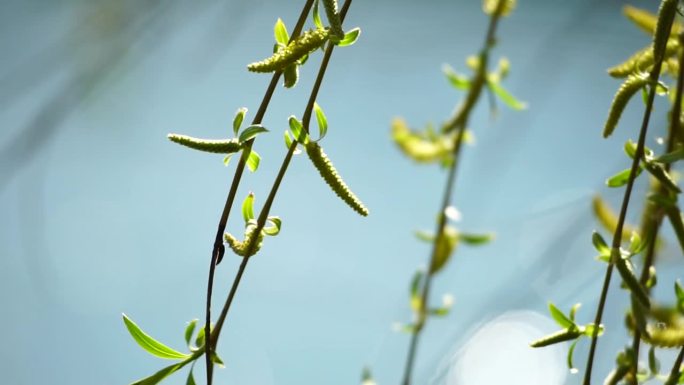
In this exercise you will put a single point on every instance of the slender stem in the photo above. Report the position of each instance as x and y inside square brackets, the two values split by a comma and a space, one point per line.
[617, 237]
[218, 248]
[676, 369]
[653, 218]
[458, 122]
[263, 215]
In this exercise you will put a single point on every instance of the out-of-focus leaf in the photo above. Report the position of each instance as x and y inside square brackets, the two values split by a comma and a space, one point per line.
[620, 179]
[506, 96]
[457, 80]
[475, 239]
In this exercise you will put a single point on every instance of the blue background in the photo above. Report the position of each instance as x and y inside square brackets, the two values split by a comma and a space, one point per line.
[100, 214]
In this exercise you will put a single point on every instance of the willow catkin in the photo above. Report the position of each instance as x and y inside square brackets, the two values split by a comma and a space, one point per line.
[666, 14]
[665, 330]
[417, 147]
[242, 248]
[227, 146]
[642, 61]
[332, 177]
[306, 43]
[336, 32]
[629, 87]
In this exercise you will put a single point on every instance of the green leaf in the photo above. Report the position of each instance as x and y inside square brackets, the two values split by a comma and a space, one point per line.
[415, 283]
[636, 244]
[322, 121]
[439, 311]
[280, 32]
[239, 117]
[671, 157]
[663, 177]
[475, 239]
[573, 311]
[162, 374]
[599, 243]
[226, 159]
[217, 360]
[571, 366]
[457, 80]
[189, 330]
[253, 160]
[653, 363]
[275, 229]
[317, 15]
[620, 179]
[248, 207]
[505, 96]
[424, 236]
[350, 37]
[291, 75]
[199, 340]
[251, 131]
[559, 317]
[191, 379]
[151, 345]
[679, 291]
[297, 130]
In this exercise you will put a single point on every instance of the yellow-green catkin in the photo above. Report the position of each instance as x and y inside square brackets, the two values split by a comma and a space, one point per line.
[242, 248]
[666, 14]
[418, 147]
[336, 32]
[332, 177]
[489, 6]
[629, 87]
[227, 146]
[306, 43]
[642, 61]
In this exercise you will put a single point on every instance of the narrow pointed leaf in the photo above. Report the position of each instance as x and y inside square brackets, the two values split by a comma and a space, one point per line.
[475, 239]
[620, 179]
[239, 117]
[559, 317]
[189, 330]
[322, 121]
[571, 366]
[506, 96]
[248, 207]
[151, 345]
[317, 15]
[162, 374]
[599, 243]
[253, 161]
[275, 229]
[671, 157]
[297, 130]
[457, 80]
[191, 379]
[251, 131]
[291, 75]
[280, 32]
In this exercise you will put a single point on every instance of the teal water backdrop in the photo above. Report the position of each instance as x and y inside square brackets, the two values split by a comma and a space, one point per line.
[100, 214]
